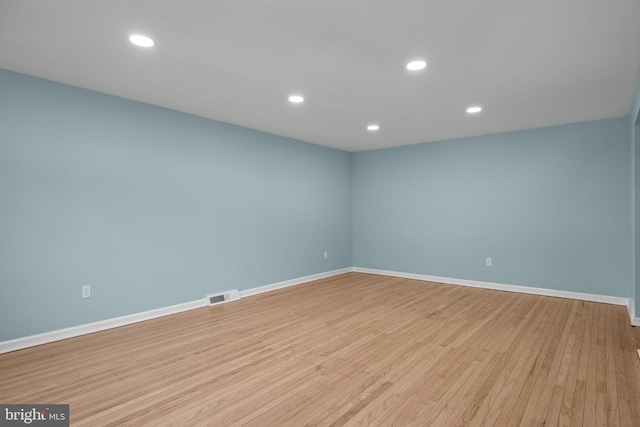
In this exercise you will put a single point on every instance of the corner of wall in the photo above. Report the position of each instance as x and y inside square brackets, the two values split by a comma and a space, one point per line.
[634, 122]
[352, 157]
[635, 320]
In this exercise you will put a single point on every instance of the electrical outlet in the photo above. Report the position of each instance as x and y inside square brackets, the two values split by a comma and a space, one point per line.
[489, 262]
[326, 254]
[86, 291]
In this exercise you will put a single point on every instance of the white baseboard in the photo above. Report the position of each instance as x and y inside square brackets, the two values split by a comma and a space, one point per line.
[61, 334]
[631, 307]
[89, 328]
[500, 286]
[293, 282]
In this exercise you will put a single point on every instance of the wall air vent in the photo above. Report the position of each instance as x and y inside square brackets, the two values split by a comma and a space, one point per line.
[227, 296]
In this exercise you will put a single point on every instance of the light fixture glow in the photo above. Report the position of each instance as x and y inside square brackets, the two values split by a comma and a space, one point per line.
[296, 99]
[142, 41]
[373, 127]
[473, 110]
[416, 65]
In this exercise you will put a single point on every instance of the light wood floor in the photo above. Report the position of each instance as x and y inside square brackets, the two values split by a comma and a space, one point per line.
[354, 349]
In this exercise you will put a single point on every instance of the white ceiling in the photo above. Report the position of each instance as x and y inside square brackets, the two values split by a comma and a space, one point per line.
[528, 63]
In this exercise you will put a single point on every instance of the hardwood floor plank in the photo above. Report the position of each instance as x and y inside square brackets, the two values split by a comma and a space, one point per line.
[518, 356]
[570, 389]
[523, 392]
[632, 371]
[553, 380]
[351, 350]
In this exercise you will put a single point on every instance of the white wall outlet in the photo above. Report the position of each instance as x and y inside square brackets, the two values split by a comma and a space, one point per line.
[326, 254]
[86, 291]
[489, 262]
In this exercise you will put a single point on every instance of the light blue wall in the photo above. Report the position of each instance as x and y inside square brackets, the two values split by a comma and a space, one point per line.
[550, 206]
[634, 122]
[151, 207]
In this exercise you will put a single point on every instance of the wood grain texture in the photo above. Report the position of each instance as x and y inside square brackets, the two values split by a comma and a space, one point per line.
[350, 350]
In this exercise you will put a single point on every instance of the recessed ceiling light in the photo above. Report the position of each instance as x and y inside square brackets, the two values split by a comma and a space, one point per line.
[473, 110]
[416, 65]
[373, 127]
[142, 41]
[296, 99]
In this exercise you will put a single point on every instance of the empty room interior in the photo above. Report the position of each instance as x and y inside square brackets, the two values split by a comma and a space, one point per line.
[335, 213]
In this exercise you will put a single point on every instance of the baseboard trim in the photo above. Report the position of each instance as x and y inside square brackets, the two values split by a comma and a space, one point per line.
[631, 307]
[102, 325]
[500, 286]
[61, 334]
[89, 328]
[293, 282]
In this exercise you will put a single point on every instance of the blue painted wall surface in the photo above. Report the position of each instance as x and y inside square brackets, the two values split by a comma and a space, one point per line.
[550, 206]
[151, 207]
